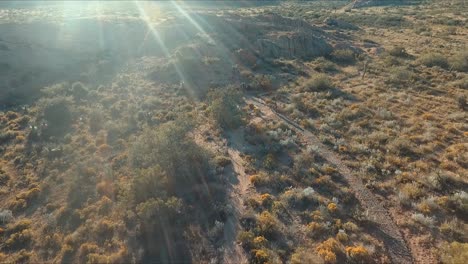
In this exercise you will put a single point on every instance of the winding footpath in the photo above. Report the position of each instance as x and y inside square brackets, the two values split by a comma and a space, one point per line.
[234, 253]
[386, 229]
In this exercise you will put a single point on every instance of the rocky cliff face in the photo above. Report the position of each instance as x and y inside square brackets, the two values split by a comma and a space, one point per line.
[274, 36]
[292, 45]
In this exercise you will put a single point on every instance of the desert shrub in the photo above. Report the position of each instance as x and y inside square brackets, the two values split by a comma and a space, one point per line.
[6, 136]
[452, 229]
[246, 238]
[462, 102]
[6, 216]
[428, 205]
[4, 178]
[328, 250]
[412, 190]
[398, 51]
[324, 65]
[262, 82]
[344, 56]
[270, 161]
[57, 114]
[115, 131]
[403, 147]
[342, 236]
[222, 161]
[315, 229]
[224, 107]
[30, 194]
[266, 199]
[19, 240]
[260, 256]
[184, 162]
[149, 183]
[390, 61]
[52, 242]
[459, 62]
[392, 21]
[19, 226]
[377, 20]
[400, 75]
[434, 59]
[351, 227]
[459, 202]
[160, 210]
[79, 91]
[319, 82]
[267, 225]
[86, 249]
[104, 229]
[67, 252]
[423, 220]
[454, 253]
[259, 180]
[304, 255]
[161, 216]
[59, 89]
[358, 254]
[121, 256]
[23, 256]
[260, 242]
[332, 208]
[18, 205]
[96, 120]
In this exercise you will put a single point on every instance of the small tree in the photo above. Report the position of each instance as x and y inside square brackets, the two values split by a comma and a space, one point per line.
[224, 107]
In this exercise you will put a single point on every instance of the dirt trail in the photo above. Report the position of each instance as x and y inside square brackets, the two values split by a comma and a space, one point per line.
[234, 252]
[384, 228]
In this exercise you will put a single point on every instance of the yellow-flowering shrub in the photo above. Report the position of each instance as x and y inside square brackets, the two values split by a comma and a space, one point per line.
[328, 249]
[332, 207]
[358, 253]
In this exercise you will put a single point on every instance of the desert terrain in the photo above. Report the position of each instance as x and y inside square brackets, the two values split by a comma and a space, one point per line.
[234, 132]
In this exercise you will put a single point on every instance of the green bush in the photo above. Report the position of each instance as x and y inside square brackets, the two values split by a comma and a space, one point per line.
[224, 107]
[160, 213]
[324, 65]
[320, 82]
[344, 56]
[149, 183]
[246, 238]
[459, 62]
[434, 59]
[400, 75]
[168, 146]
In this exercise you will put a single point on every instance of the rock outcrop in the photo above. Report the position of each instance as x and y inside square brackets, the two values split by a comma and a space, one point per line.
[292, 45]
